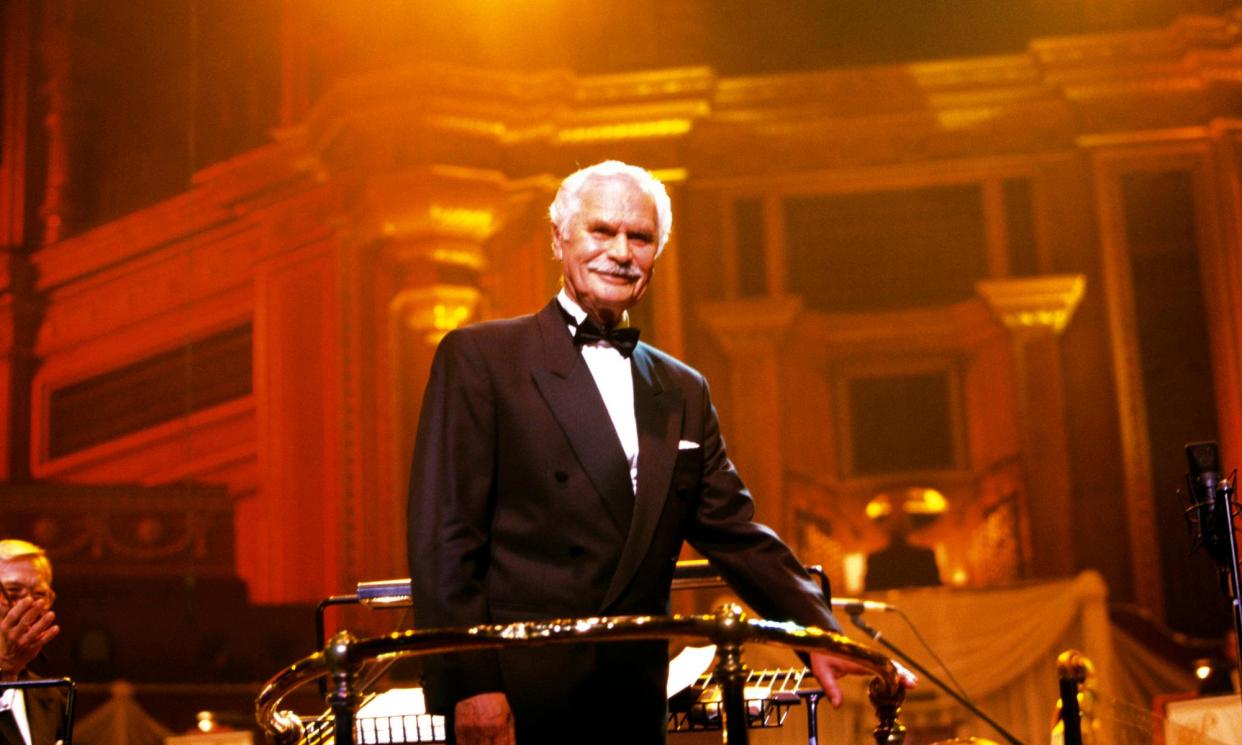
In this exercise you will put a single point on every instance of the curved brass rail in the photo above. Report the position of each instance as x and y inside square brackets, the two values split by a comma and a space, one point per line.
[729, 628]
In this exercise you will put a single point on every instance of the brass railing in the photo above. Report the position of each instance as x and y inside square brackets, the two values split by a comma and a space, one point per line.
[729, 628]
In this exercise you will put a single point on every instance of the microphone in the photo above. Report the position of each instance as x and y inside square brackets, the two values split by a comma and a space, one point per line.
[1213, 518]
[856, 606]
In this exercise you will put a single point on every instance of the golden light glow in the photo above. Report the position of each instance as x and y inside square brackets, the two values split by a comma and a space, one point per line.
[1203, 671]
[854, 567]
[474, 222]
[1034, 303]
[626, 131]
[435, 310]
[914, 501]
[925, 502]
[458, 256]
[878, 508]
[670, 175]
[967, 118]
[206, 721]
[449, 317]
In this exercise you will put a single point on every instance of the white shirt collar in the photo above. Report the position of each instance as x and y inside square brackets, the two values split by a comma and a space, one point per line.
[572, 308]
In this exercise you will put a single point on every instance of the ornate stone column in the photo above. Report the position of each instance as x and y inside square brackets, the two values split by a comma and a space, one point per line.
[1036, 310]
[751, 332]
[421, 239]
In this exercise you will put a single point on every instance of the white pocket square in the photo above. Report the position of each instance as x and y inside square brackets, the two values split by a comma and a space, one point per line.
[687, 445]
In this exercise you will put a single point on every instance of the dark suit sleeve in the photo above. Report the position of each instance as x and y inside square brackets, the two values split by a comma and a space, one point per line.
[756, 563]
[451, 489]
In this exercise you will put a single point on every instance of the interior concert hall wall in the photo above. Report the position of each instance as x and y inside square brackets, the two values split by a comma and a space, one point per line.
[231, 247]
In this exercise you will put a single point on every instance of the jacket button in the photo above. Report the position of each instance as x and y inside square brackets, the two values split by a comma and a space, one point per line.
[576, 551]
[561, 477]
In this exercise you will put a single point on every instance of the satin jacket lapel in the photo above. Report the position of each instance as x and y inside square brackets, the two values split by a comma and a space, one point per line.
[658, 413]
[571, 393]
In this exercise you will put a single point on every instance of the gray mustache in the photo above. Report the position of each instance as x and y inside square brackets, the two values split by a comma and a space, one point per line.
[616, 270]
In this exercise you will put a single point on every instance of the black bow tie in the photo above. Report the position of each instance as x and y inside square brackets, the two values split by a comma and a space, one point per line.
[622, 339]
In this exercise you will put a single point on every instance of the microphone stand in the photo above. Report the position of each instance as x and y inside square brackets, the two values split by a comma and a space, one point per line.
[856, 619]
[1224, 505]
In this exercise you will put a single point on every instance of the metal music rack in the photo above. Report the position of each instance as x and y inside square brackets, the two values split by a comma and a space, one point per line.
[394, 730]
[769, 696]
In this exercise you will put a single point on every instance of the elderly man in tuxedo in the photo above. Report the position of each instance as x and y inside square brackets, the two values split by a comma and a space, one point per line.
[27, 623]
[560, 464]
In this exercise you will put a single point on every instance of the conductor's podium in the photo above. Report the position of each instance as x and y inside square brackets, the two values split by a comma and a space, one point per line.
[730, 699]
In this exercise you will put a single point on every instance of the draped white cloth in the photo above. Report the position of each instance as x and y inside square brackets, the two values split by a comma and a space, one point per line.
[1001, 644]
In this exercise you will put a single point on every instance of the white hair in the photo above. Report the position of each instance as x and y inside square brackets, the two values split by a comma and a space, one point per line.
[568, 199]
[13, 549]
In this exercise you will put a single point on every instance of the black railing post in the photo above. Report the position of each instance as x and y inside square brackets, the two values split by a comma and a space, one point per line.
[342, 697]
[731, 672]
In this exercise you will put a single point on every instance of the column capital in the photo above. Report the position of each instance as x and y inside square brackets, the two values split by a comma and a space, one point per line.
[739, 326]
[435, 310]
[1033, 304]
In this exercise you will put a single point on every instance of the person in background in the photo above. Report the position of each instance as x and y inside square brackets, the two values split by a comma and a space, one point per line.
[901, 563]
[27, 624]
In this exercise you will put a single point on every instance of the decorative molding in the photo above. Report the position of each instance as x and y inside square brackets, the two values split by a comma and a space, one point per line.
[124, 530]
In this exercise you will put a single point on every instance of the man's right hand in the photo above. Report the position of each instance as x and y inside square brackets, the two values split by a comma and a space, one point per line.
[485, 719]
[25, 628]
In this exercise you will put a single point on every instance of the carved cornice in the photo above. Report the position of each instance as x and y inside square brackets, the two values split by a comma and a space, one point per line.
[392, 113]
[964, 324]
[1184, 34]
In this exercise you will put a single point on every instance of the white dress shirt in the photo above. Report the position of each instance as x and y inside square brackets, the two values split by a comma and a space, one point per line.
[615, 381]
[13, 700]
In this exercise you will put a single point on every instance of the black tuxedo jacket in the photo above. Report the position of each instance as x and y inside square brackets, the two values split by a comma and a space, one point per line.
[521, 508]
